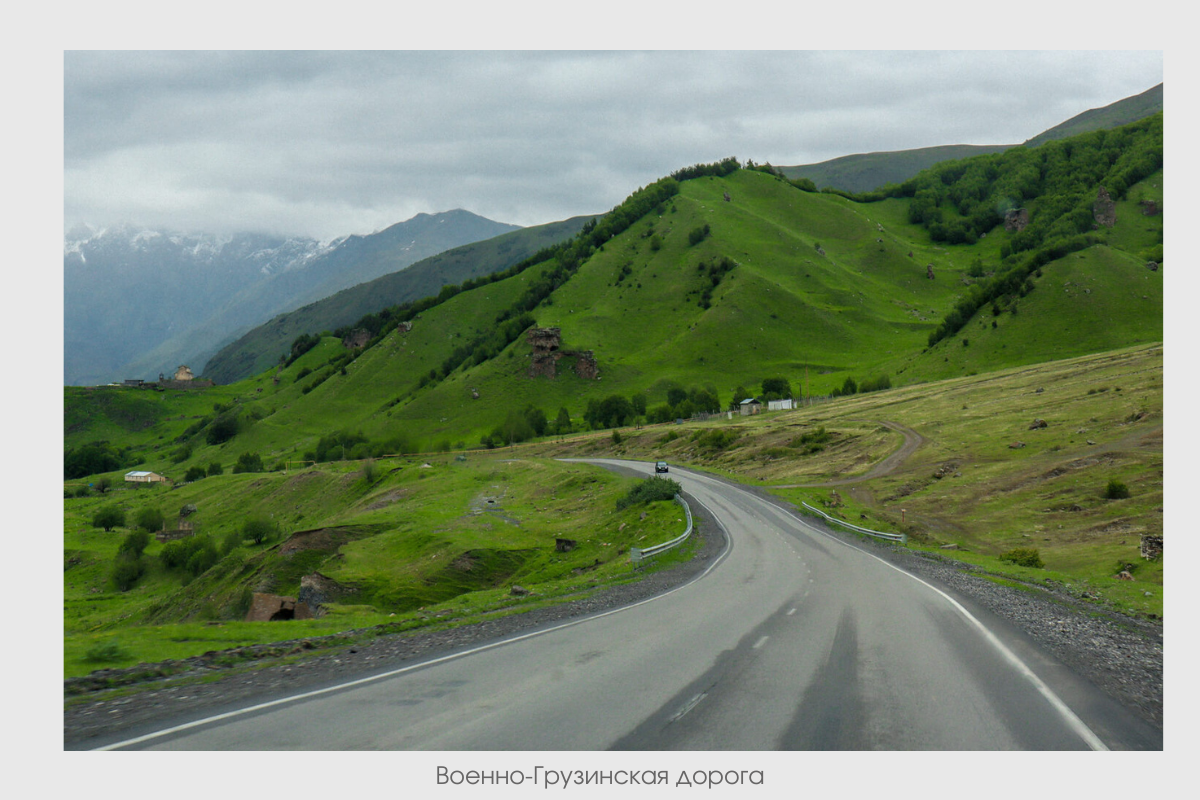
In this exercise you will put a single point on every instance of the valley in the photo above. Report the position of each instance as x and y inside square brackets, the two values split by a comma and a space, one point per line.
[993, 392]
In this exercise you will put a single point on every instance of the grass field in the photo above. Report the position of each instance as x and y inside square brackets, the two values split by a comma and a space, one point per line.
[423, 540]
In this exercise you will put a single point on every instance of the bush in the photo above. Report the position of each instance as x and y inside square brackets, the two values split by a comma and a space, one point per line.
[194, 474]
[248, 462]
[126, 571]
[106, 652]
[108, 518]
[215, 468]
[1116, 490]
[150, 519]
[258, 529]
[648, 491]
[1024, 557]
[134, 544]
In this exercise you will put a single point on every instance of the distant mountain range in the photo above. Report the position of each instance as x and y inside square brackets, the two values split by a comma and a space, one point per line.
[261, 346]
[141, 302]
[865, 172]
[138, 302]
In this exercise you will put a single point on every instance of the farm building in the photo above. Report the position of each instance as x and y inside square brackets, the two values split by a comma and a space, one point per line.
[781, 405]
[749, 406]
[144, 477]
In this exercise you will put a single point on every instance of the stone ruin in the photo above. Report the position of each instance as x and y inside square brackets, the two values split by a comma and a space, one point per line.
[929, 271]
[546, 344]
[1151, 546]
[1149, 208]
[1015, 219]
[272, 607]
[1104, 210]
[356, 339]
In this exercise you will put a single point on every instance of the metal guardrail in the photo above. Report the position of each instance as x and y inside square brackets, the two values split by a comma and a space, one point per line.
[638, 554]
[891, 537]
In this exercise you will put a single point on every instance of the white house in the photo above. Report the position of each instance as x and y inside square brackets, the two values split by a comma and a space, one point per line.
[144, 477]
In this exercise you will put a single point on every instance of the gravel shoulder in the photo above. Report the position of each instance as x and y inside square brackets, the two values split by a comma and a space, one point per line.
[1122, 657]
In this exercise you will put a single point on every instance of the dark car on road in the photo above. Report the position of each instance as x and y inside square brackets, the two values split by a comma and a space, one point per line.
[660, 466]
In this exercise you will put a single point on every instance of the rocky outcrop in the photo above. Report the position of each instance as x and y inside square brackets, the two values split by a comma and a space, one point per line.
[1015, 220]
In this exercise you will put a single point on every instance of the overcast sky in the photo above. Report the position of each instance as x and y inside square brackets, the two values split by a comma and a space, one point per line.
[324, 144]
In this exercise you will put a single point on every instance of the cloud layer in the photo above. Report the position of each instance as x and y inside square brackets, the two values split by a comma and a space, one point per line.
[329, 143]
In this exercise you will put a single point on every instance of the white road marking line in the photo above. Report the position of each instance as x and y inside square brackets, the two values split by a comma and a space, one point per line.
[761, 642]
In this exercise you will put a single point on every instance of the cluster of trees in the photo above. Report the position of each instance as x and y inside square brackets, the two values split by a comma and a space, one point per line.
[521, 426]
[94, 457]
[354, 446]
[959, 201]
[713, 271]
[850, 386]
[719, 169]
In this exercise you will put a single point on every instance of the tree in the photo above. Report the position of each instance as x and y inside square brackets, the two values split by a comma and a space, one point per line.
[258, 529]
[223, 428]
[215, 468]
[108, 518]
[194, 473]
[150, 519]
[638, 401]
[776, 389]
[562, 423]
[739, 394]
[248, 462]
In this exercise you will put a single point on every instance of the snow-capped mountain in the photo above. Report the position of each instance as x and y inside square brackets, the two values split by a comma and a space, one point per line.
[139, 302]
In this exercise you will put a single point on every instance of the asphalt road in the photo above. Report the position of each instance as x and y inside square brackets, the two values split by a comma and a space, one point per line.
[792, 640]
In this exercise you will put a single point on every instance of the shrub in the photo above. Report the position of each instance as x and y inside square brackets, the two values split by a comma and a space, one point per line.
[194, 474]
[716, 439]
[616, 436]
[1024, 557]
[150, 519]
[258, 529]
[134, 544]
[648, 491]
[126, 571]
[108, 518]
[248, 462]
[106, 652]
[1116, 490]
[215, 468]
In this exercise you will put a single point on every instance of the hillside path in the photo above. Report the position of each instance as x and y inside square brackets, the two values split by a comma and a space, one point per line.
[912, 442]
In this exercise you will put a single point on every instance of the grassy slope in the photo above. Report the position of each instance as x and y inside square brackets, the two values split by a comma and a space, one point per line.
[863, 308]
[414, 539]
[1104, 417]
[260, 347]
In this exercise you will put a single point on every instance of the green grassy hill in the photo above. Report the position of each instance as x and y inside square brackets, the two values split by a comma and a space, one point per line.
[704, 292]
[261, 347]
[699, 285]
[864, 172]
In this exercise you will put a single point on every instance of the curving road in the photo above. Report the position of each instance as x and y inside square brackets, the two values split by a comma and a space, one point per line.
[793, 639]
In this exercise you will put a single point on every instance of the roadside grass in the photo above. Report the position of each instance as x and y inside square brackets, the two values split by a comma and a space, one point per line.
[969, 484]
[429, 542]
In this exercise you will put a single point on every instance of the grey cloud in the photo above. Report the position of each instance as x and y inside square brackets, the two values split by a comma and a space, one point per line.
[332, 143]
